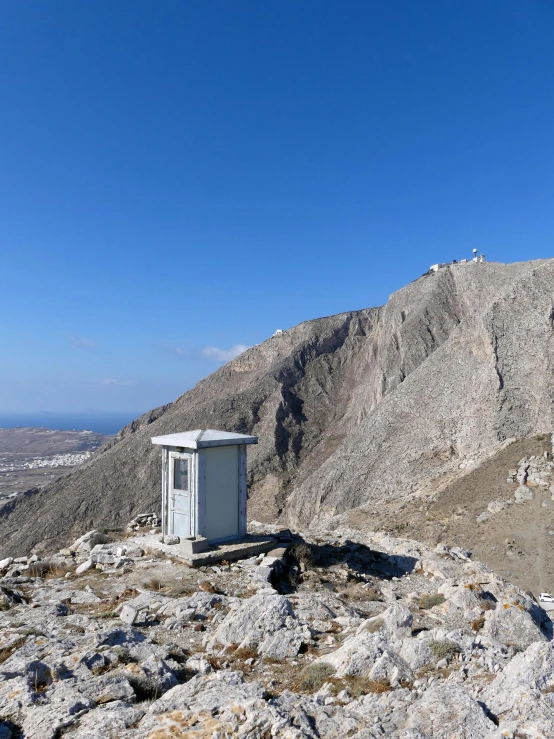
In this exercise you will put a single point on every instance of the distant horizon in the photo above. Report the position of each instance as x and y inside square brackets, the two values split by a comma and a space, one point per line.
[101, 422]
[83, 411]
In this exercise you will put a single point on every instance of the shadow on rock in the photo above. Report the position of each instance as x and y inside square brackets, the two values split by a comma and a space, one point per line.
[363, 563]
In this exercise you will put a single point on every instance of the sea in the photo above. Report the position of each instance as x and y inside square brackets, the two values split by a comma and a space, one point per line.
[102, 422]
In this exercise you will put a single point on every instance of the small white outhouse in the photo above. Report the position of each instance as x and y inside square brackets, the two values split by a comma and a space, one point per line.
[204, 486]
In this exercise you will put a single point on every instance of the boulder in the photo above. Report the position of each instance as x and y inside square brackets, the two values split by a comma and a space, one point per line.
[416, 653]
[158, 674]
[511, 624]
[282, 644]
[84, 566]
[132, 614]
[447, 711]
[368, 655]
[523, 494]
[252, 620]
[396, 622]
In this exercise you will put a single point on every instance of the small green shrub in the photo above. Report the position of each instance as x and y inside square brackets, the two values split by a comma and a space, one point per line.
[313, 676]
[430, 600]
[444, 648]
[244, 653]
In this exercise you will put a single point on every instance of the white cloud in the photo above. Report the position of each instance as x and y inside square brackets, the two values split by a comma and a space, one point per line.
[79, 342]
[112, 381]
[224, 355]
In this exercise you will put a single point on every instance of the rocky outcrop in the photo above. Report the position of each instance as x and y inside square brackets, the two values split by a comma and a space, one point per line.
[379, 637]
[363, 407]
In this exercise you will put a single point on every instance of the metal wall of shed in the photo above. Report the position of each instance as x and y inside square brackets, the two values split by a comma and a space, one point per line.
[221, 492]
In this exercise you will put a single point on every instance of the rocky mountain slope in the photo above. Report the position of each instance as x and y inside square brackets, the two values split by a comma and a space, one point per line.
[505, 519]
[367, 407]
[337, 637]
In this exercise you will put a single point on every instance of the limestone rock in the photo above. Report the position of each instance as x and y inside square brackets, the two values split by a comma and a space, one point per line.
[253, 620]
[510, 623]
[446, 712]
[84, 566]
[368, 655]
[523, 494]
[282, 644]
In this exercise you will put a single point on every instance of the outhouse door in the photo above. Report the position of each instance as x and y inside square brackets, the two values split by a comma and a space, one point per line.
[180, 494]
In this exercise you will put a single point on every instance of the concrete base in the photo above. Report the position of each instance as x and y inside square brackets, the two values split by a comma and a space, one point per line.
[193, 546]
[249, 546]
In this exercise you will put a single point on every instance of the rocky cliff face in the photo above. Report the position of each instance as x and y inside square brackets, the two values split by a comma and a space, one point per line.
[362, 407]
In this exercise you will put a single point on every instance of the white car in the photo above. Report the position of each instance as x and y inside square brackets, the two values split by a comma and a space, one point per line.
[546, 598]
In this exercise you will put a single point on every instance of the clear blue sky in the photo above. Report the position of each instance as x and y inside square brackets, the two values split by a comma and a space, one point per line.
[181, 177]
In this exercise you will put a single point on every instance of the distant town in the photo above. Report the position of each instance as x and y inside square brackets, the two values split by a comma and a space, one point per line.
[58, 460]
[34, 457]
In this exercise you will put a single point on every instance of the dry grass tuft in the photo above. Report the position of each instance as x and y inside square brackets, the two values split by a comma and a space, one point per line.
[478, 623]
[153, 584]
[375, 626]
[8, 651]
[357, 592]
[430, 600]
[313, 676]
[244, 653]
[357, 685]
[48, 570]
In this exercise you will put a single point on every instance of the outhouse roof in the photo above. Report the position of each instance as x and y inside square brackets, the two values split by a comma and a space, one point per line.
[201, 438]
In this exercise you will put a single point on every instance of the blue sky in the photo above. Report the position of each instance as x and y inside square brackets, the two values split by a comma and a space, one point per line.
[181, 178]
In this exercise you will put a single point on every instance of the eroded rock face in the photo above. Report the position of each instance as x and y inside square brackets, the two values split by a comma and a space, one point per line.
[375, 638]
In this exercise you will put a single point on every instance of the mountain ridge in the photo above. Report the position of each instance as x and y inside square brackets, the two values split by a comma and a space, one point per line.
[369, 405]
